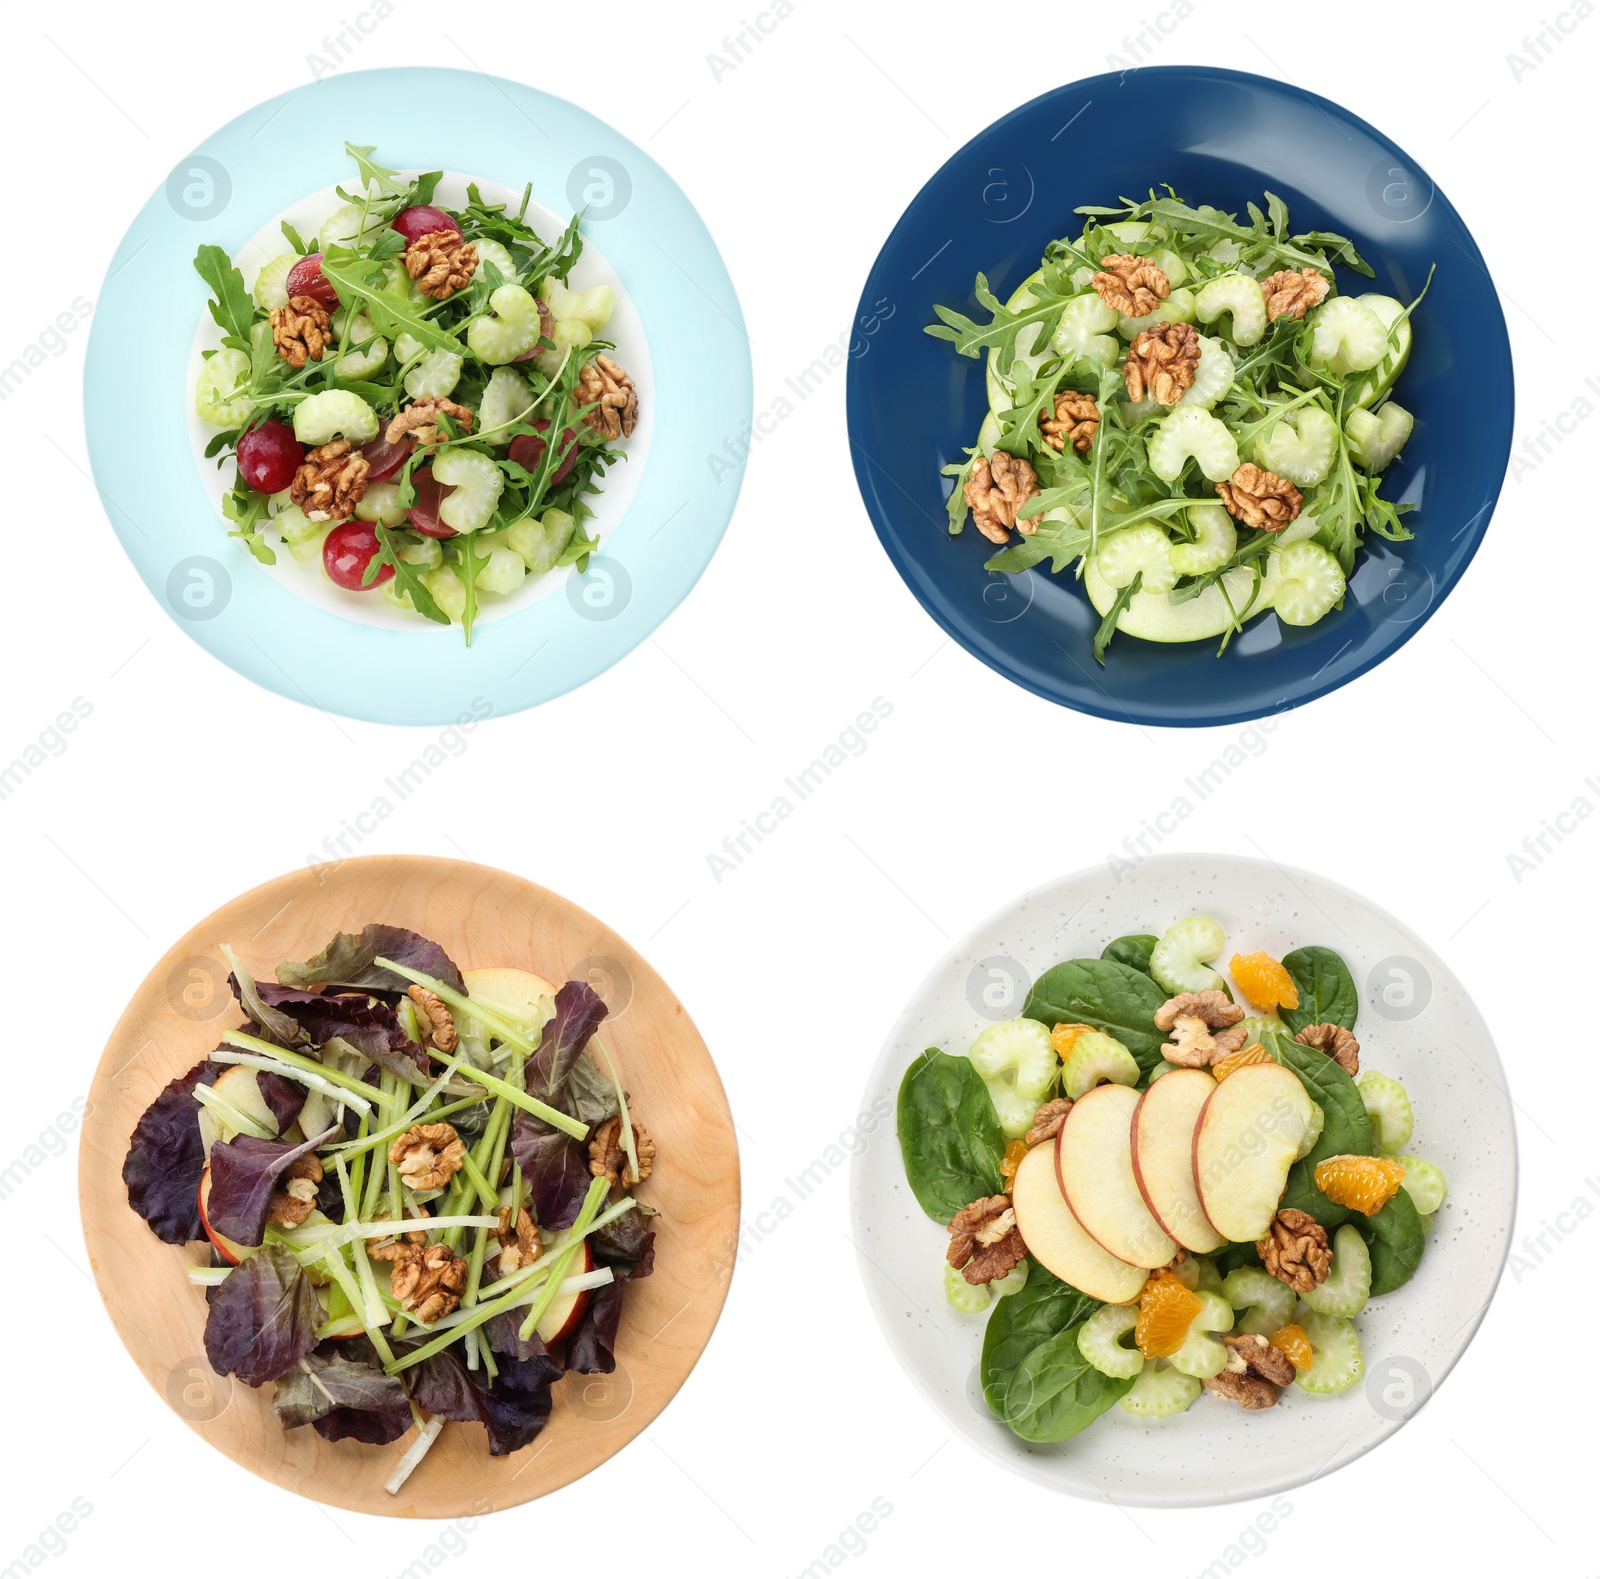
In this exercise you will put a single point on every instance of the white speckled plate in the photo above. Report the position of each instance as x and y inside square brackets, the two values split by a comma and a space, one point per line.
[1416, 1023]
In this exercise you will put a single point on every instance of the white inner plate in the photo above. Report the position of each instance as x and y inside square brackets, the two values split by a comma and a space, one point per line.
[308, 580]
[1416, 1023]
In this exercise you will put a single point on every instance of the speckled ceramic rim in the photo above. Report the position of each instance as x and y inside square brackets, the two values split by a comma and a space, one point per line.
[257, 166]
[1118, 1460]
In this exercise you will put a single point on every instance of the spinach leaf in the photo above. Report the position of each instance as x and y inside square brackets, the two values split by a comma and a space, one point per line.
[1395, 1237]
[1327, 992]
[950, 1138]
[1115, 998]
[1135, 950]
[1043, 1307]
[1230, 1257]
[1055, 1392]
[1346, 1129]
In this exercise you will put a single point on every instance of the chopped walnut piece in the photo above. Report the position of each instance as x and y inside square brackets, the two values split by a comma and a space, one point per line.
[441, 263]
[984, 1241]
[428, 1280]
[1204, 1027]
[1295, 1250]
[1162, 360]
[607, 1159]
[1260, 498]
[1129, 285]
[296, 1192]
[519, 1240]
[603, 385]
[441, 1031]
[1252, 1351]
[330, 481]
[1048, 1120]
[996, 489]
[388, 1248]
[1336, 1042]
[419, 420]
[300, 330]
[1077, 416]
[1242, 1388]
[1290, 292]
[428, 1155]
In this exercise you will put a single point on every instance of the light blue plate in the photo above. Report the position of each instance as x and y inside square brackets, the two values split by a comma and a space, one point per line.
[136, 397]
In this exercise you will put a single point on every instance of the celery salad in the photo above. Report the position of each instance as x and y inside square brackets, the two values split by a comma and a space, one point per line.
[1184, 407]
[414, 398]
[1156, 1192]
[416, 1186]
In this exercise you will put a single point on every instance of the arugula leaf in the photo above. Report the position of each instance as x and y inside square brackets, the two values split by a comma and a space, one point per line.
[294, 238]
[231, 306]
[247, 509]
[471, 564]
[1108, 624]
[363, 280]
[405, 573]
[970, 337]
[371, 173]
[1340, 249]
[1061, 542]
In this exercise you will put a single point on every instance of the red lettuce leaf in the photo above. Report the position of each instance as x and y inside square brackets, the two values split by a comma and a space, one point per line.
[166, 1158]
[368, 1025]
[272, 1025]
[348, 962]
[341, 1389]
[592, 1349]
[284, 1096]
[244, 1171]
[263, 1318]
[556, 1168]
[627, 1245]
[502, 1334]
[513, 1409]
[579, 1011]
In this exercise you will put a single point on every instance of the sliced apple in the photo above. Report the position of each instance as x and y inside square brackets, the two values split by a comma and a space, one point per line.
[566, 1310]
[514, 992]
[1249, 1134]
[237, 1084]
[230, 1251]
[1094, 1160]
[1163, 1156]
[1056, 1239]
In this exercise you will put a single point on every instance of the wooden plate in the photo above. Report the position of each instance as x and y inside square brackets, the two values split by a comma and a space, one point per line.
[482, 917]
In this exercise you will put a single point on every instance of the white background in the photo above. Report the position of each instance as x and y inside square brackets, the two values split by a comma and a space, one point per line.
[1412, 785]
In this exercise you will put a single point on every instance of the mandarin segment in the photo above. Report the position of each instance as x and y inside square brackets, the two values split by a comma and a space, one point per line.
[1264, 981]
[1166, 1308]
[1065, 1037]
[1016, 1150]
[1295, 1343]
[1254, 1053]
[1364, 1184]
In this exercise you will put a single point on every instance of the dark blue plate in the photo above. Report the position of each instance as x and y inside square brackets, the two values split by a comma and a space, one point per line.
[1219, 137]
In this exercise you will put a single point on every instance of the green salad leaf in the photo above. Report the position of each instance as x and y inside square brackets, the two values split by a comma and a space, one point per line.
[1327, 990]
[1041, 1309]
[231, 305]
[950, 1138]
[1055, 1392]
[1115, 998]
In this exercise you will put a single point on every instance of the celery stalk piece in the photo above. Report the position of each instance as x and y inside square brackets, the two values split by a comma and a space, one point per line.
[208, 1276]
[235, 1118]
[254, 1044]
[427, 1434]
[487, 1018]
[552, 1116]
[598, 1190]
[305, 1077]
[603, 1220]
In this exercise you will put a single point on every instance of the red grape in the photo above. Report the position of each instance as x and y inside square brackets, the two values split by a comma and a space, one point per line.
[527, 450]
[384, 458]
[347, 551]
[269, 455]
[547, 327]
[431, 493]
[305, 279]
[423, 219]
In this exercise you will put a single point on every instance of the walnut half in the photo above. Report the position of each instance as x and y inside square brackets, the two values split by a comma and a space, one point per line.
[608, 1159]
[984, 1240]
[296, 1193]
[1336, 1042]
[1260, 498]
[1077, 416]
[1289, 292]
[1162, 360]
[609, 390]
[428, 1280]
[996, 489]
[1131, 286]
[428, 1155]
[1204, 1027]
[330, 481]
[441, 263]
[1295, 1250]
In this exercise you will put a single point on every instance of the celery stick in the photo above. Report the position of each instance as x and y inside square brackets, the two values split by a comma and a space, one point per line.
[254, 1044]
[622, 1111]
[552, 1116]
[235, 1118]
[281, 1066]
[415, 1114]
[427, 1433]
[598, 1189]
